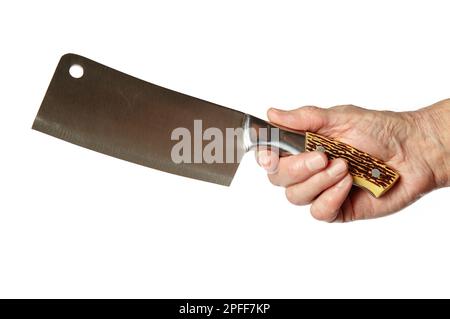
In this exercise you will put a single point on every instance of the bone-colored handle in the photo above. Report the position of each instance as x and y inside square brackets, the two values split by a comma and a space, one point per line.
[368, 172]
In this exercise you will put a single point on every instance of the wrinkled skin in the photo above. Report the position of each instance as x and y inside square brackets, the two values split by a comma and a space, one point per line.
[416, 144]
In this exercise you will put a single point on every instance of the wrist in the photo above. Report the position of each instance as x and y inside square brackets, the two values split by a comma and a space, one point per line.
[433, 124]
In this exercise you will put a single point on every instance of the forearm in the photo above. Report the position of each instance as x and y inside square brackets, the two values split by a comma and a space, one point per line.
[433, 123]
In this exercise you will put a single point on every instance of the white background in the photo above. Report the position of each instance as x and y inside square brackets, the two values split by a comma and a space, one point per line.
[75, 223]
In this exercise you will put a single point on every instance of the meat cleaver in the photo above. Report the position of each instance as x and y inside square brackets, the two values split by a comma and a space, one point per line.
[116, 114]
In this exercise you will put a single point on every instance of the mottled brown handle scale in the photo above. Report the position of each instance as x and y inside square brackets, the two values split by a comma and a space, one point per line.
[368, 172]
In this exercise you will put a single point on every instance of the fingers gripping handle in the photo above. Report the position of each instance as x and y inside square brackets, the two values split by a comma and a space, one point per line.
[367, 171]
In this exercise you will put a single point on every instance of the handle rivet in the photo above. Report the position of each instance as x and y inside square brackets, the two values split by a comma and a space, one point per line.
[320, 148]
[376, 173]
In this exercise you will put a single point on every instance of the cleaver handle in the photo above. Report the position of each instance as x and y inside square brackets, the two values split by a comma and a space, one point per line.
[368, 172]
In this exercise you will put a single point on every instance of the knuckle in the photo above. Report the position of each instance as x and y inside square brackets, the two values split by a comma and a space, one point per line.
[323, 209]
[321, 213]
[294, 198]
[327, 203]
[273, 179]
[290, 195]
[309, 107]
[343, 161]
[345, 108]
[294, 169]
[337, 169]
[323, 157]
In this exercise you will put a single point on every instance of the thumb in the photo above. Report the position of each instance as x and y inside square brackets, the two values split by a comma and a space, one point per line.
[306, 118]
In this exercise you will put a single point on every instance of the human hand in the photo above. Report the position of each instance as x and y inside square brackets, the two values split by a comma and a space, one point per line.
[416, 144]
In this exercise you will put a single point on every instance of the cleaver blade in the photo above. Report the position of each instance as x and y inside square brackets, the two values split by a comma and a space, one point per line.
[116, 114]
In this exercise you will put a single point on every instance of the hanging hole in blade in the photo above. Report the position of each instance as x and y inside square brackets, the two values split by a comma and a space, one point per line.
[76, 71]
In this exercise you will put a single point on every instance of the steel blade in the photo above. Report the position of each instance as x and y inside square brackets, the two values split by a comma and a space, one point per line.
[116, 114]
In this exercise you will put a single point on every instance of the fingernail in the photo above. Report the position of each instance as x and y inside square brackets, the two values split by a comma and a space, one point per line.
[343, 183]
[337, 168]
[315, 163]
[264, 159]
[275, 109]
